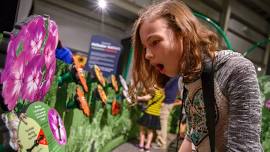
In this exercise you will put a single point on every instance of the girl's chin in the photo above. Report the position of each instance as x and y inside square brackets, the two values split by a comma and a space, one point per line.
[163, 71]
[170, 74]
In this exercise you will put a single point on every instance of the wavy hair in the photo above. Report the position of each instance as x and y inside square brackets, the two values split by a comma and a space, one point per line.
[197, 41]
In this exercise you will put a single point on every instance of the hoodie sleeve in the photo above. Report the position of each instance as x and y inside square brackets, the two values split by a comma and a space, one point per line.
[243, 94]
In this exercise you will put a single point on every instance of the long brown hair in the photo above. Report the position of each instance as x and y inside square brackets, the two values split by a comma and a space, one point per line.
[197, 41]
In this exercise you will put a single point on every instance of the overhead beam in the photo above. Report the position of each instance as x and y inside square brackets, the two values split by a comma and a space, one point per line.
[215, 4]
[262, 5]
[225, 15]
[249, 17]
[238, 11]
[127, 5]
[246, 32]
[86, 12]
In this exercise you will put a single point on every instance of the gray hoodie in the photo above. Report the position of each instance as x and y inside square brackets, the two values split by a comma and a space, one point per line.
[238, 106]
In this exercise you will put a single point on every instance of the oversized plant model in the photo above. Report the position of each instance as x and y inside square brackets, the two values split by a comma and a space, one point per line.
[30, 62]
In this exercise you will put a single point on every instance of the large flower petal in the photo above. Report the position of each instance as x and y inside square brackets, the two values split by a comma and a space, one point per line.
[60, 138]
[13, 82]
[15, 51]
[50, 59]
[35, 36]
[11, 92]
[51, 44]
[32, 78]
[46, 83]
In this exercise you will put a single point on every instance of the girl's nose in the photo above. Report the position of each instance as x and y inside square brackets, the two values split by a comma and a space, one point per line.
[148, 54]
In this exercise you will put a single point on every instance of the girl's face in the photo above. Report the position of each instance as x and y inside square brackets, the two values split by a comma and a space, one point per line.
[162, 49]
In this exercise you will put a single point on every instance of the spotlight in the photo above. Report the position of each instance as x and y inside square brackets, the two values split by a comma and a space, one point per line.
[102, 4]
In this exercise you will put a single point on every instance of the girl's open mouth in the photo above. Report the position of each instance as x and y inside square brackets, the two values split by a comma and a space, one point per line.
[160, 68]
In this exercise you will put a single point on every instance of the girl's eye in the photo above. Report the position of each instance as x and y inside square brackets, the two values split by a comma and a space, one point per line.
[154, 43]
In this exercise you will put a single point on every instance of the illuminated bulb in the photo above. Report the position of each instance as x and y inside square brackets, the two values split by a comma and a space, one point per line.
[102, 4]
[259, 69]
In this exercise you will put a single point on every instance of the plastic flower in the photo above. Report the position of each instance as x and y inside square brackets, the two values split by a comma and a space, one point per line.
[50, 60]
[35, 36]
[30, 62]
[57, 127]
[15, 51]
[12, 84]
[32, 78]
[115, 108]
[36, 43]
[54, 34]
[82, 102]
[49, 56]
[46, 83]
[51, 44]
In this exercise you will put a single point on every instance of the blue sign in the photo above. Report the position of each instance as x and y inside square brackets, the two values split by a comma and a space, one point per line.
[104, 53]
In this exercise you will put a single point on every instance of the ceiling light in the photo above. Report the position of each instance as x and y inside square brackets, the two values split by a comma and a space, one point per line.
[102, 4]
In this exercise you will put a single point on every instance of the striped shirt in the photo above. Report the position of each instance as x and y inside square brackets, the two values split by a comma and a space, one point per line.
[154, 108]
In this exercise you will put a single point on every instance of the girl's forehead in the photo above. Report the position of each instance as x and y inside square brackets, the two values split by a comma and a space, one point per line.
[151, 27]
[155, 21]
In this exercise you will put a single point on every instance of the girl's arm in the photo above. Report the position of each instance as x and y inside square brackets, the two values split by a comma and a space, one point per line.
[186, 146]
[243, 94]
[144, 98]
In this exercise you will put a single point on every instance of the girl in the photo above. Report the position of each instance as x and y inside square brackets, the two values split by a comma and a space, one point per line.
[150, 120]
[169, 40]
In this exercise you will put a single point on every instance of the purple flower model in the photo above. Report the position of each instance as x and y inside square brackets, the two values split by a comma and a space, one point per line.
[30, 62]
[15, 51]
[13, 83]
[50, 59]
[32, 79]
[57, 127]
[36, 36]
[46, 83]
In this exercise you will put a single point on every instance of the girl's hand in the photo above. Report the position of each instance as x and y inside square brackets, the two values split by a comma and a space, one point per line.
[177, 102]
